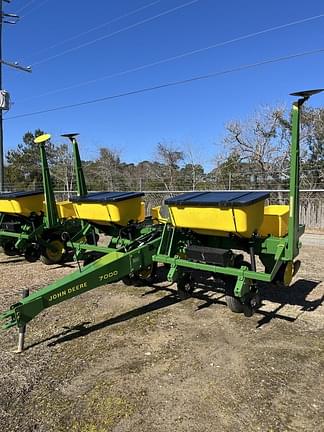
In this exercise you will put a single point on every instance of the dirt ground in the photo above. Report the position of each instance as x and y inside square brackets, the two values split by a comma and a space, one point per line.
[136, 359]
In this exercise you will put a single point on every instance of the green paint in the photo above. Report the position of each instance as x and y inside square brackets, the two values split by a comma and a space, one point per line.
[293, 223]
[166, 244]
[81, 184]
[108, 269]
[51, 216]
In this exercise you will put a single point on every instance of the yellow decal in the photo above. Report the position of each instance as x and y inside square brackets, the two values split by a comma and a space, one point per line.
[67, 291]
[107, 276]
[291, 206]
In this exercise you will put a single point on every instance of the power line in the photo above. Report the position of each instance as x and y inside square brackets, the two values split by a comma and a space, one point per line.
[176, 57]
[25, 6]
[170, 84]
[38, 6]
[32, 9]
[76, 36]
[131, 26]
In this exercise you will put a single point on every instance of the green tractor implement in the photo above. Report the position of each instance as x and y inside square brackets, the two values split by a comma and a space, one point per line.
[33, 224]
[198, 238]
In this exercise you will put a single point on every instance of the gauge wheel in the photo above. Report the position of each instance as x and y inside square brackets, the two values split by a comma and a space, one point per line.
[143, 277]
[286, 272]
[53, 254]
[185, 287]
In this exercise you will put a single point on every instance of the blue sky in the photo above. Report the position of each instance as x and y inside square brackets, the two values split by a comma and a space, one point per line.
[187, 115]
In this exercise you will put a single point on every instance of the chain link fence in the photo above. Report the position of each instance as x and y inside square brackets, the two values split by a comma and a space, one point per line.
[156, 191]
[158, 180]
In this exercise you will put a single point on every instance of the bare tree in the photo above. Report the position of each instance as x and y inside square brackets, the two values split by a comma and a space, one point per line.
[193, 171]
[166, 167]
[62, 169]
[262, 144]
[107, 168]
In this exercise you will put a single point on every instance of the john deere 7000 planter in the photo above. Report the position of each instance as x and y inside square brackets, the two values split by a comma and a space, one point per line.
[199, 238]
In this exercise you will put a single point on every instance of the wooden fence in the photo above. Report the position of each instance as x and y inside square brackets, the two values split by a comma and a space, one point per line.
[312, 214]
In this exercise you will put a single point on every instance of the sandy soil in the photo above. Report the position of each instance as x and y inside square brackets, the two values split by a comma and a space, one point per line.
[137, 359]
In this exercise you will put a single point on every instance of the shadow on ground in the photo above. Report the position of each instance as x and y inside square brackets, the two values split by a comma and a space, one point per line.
[295, 295]
[82, 329]
[209, 294]
[13, 260]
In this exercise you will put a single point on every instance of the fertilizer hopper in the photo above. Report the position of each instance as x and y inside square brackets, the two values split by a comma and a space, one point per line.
[218, 213]
[110, 208]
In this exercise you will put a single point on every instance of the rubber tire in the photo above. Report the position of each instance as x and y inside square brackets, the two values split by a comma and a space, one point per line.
[31, 254]
[185, 287]
[44, 260]
[129, 280]
[234, 304]
[49, 261]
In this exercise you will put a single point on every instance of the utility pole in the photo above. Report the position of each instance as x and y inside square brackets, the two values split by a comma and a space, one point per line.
[5, 18]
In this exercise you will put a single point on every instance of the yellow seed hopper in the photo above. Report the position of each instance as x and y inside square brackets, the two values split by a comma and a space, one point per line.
[118, 208]
[218, 213]
[21, 203]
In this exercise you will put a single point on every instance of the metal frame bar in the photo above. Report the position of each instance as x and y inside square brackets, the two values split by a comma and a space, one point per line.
[51, 216]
